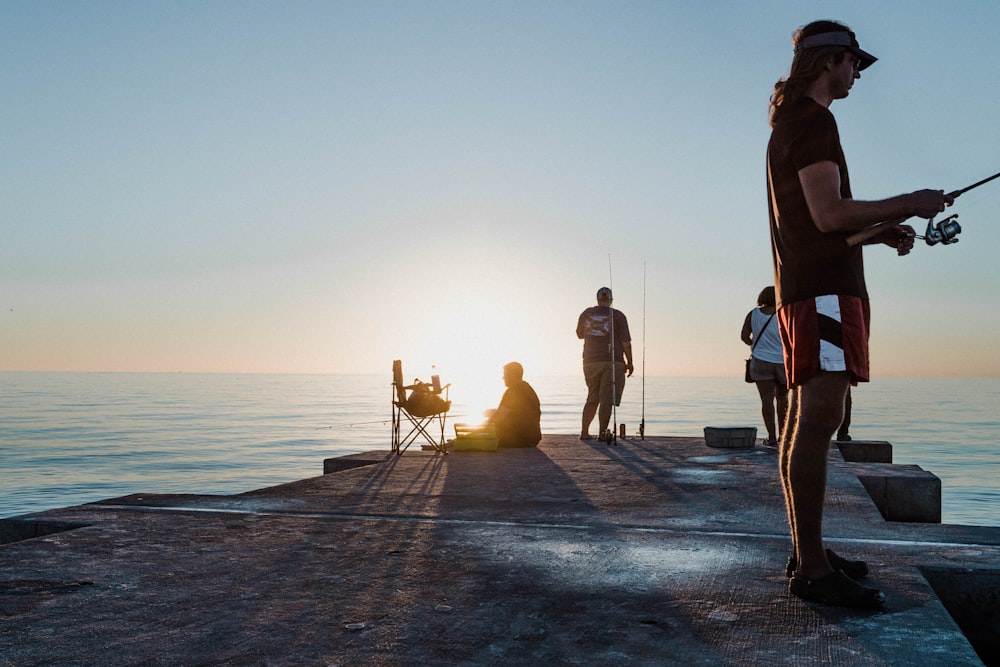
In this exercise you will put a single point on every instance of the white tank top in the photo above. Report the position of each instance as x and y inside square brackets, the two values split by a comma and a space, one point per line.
[768, 341]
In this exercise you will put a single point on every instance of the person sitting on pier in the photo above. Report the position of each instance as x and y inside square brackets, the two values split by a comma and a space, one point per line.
[518, 417]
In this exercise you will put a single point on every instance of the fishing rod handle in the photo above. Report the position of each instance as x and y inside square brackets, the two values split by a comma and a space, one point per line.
[874, 230]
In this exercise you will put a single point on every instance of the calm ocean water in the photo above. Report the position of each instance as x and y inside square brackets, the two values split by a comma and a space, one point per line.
[70, 438]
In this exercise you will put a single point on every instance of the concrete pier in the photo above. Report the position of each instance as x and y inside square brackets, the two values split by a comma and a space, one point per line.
[654, 552]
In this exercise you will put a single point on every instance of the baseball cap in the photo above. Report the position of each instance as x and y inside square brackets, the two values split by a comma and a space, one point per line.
[838, 38]
[604, 293]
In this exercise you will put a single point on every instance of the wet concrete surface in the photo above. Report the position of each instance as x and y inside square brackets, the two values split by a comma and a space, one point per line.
[654, 552]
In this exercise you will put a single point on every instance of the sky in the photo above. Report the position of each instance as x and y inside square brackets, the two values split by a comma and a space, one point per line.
[323, 187]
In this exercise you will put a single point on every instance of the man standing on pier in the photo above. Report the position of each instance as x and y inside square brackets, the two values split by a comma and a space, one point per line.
[604, 368]
[823, 310]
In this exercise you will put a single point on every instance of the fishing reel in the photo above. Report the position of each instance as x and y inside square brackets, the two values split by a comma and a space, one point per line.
[944, 231]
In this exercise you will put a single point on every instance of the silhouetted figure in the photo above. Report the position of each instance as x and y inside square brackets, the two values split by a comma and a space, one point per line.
[767, 363]
[518, 417]
[604, 368]
[822, 300]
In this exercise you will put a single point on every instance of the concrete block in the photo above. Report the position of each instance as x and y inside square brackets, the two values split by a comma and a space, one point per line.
[346, 463]
[739, 437]
[865, 451]
[903, 492]
[972, 597]
[16, 529]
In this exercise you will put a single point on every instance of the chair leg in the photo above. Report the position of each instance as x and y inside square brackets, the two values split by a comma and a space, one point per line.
[420, 426]
[395, 430]
[442, 418]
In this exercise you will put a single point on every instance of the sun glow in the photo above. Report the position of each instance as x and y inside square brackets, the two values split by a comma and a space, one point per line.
[474, 378]
[468, 353]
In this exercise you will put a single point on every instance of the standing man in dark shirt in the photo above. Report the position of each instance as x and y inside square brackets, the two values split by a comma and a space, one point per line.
[518, 417]
[823, 310]
[597, 326]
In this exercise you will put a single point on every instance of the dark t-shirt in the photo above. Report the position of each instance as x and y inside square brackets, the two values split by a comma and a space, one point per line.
[524, 425]
[597, 336]
[807, 263]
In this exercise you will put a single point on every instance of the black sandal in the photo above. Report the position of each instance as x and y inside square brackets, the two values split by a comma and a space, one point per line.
[836, 589]
[855, 569]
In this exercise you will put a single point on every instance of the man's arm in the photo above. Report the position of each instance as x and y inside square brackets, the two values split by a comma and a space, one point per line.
[831, 213]
[627, 349]
[503, 410]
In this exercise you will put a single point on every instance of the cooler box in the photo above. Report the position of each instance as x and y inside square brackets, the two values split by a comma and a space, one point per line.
[474, 438]
[739, 437]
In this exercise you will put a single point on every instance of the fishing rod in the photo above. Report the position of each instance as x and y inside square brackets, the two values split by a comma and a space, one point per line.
[377, 421]
[611, 437]
[944, 231]
[642, 423]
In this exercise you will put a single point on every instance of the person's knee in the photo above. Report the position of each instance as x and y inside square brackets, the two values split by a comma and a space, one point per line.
[819, 423]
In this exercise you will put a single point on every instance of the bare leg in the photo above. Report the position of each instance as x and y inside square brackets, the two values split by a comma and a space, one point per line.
[589, 410]
[604, 417]
[791, 423]
[843, 433]
[766, 390]
[781, 403]
[819, 405]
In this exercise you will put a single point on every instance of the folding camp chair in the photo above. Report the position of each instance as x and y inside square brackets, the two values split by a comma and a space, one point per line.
[423, 407]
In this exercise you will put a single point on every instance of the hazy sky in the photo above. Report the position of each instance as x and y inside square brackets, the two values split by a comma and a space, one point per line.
[327, 186]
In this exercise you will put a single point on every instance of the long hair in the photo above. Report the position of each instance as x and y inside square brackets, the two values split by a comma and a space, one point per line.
[766, 297]
[807, 66]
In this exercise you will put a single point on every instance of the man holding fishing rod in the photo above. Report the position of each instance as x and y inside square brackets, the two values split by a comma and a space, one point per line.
[822, 300]
[607, 357]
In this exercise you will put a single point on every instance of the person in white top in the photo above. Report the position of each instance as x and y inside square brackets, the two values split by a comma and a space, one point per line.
[767, 364]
